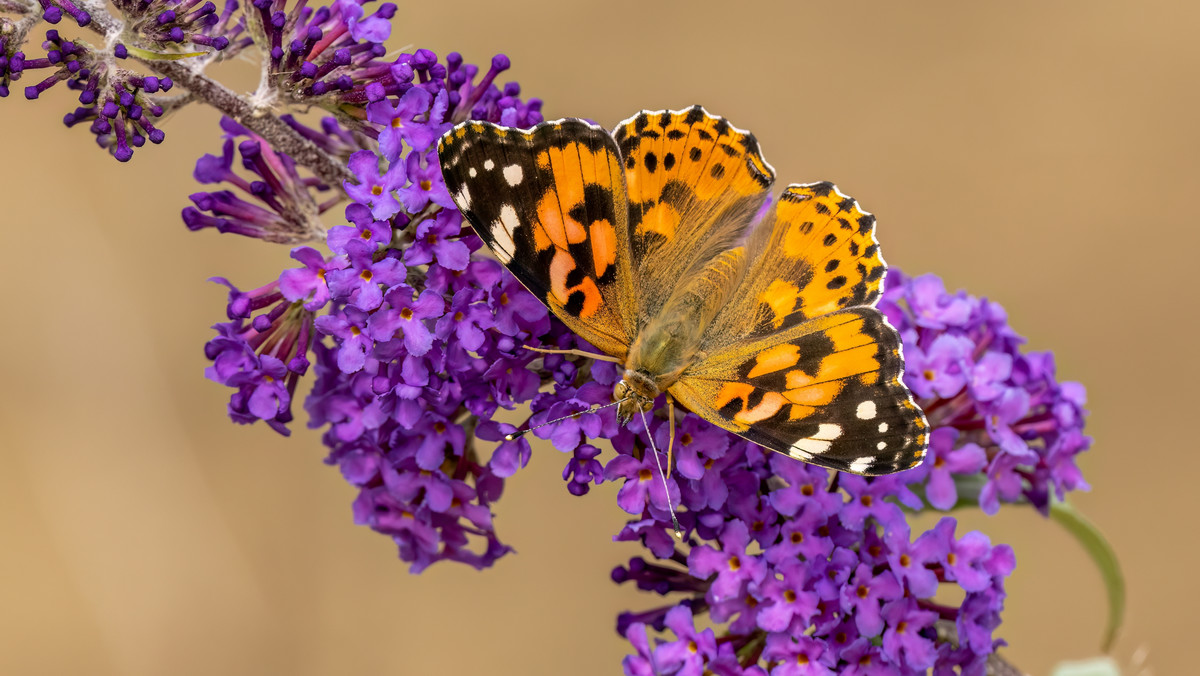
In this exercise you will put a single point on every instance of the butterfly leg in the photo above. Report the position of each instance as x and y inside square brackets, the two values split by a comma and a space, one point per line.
[577, 353]
[671, 428]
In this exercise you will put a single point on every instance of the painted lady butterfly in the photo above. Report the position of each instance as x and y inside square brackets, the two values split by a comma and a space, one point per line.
[644, 243]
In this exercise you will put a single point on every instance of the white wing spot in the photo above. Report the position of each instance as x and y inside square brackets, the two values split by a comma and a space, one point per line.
[489, 165]
[881, 445]
[828, 432]
[463, 197]
[861, 464]
[502, 233]
[513, 174]
[817, 443]
[799, 454]
[866, 410]
[806, 448]
[882, 427]
[472, 172]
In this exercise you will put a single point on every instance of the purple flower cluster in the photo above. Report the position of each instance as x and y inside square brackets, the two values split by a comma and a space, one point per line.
[278, 205]
[115, 101]
[328, 54]
[996, 411]
[415, 345]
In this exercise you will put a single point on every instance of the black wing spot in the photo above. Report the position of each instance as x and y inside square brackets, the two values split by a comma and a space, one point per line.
[703, 133]
[694, 115]
[813, 349]
[853, 248]
[729, 150]
[721, 127]
[636, 211]
[836, 283]
[821, 208]
[575, 277]
[641, 122]
[575, 303]
[832, 265]
[651, 162]
[668, 161]
[665, 119]
[677, 194]
[821, 189]
[870, 251]
[717, 171]
[830, 239]
[846, 204]
[865, 223]
[844, 224]
[755, 398]
[627, 145]
[695, 154]
[732, 407]
[675, 134]
[597, 202]
[806, 227]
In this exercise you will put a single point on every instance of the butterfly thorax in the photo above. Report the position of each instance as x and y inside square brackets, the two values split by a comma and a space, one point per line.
[662, 351]
[656, 359]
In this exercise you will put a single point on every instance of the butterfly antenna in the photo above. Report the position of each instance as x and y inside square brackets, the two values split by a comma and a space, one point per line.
[666, 489]
[512, 436]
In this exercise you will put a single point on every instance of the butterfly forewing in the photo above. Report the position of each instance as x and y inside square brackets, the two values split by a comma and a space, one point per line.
[550, 204]
[694, 185]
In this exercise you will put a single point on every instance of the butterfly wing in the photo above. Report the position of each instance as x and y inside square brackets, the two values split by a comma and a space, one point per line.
[814, 254]
[550, 204]
[827, 391]
[694, 184]
[799, 360]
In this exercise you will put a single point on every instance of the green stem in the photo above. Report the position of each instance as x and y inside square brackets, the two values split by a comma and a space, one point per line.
[1105, 558]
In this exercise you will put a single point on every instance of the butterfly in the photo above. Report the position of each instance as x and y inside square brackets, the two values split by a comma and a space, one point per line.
[658, 243]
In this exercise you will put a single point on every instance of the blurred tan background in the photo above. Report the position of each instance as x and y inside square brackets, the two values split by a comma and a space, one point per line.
[1042, 154]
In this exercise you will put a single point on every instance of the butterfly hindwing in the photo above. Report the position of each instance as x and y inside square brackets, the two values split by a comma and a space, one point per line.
[550, 204]
[827, 391]
[694, 183]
